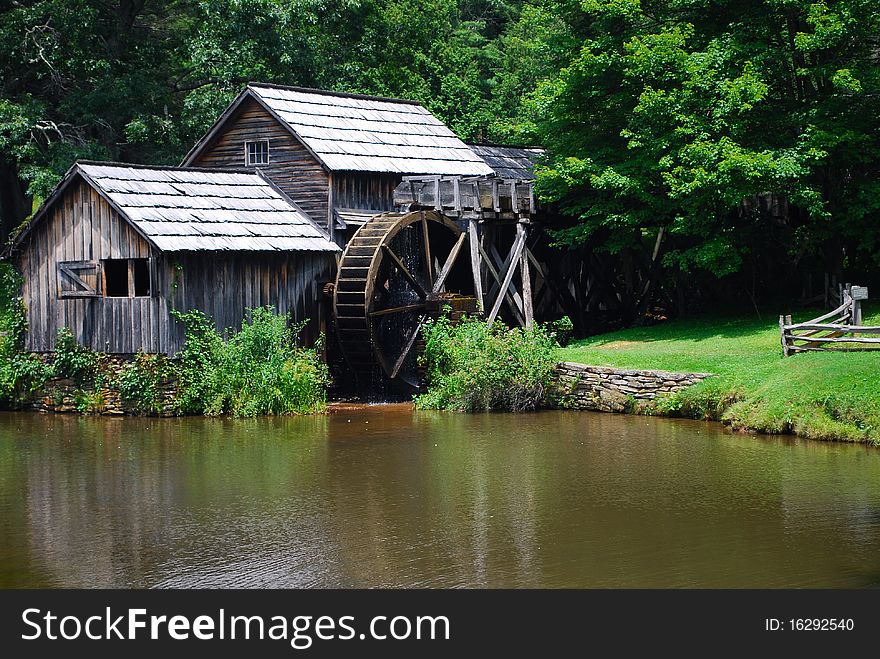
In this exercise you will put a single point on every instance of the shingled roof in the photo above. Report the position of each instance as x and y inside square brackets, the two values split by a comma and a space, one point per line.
[351, 132]
[180, 209]
[512, 162]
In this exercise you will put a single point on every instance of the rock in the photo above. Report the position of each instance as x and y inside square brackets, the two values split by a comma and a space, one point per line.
[612, 390]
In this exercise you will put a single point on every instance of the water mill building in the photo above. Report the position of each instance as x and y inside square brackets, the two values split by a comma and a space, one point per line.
[361, 214]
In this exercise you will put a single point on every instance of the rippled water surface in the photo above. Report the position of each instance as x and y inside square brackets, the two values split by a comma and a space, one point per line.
[385, 496]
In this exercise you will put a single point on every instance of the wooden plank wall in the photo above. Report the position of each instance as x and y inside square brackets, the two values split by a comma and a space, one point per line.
[83, 227]
[364, 190]
[291, 167]
[224, 285]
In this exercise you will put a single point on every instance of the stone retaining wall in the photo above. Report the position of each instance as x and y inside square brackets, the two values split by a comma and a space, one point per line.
[605, 389]
[66, 396]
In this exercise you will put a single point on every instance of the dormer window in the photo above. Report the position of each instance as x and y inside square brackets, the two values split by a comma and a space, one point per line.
[256, 153]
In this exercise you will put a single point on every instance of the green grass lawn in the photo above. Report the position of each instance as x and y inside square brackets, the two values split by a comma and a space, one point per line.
[831, 396]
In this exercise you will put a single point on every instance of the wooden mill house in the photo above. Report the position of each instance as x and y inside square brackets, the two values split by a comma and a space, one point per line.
[256, 215]
[339, 156]
[116, 247]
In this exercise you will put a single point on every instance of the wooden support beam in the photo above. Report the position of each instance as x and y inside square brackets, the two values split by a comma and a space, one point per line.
[392, 310]
[130, 277]
[426, 246]
[410, 342]
[513, 299]
[784, 339]
[502, 266]
[437, 205]
[515, 253]
[476, 267]
[514, 202]
[526, 278]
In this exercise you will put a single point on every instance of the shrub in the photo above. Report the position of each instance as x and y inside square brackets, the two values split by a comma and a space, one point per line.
[563, 328]
[21, 374]
[140, 382]
[72, 360]
[472, 366]
[258, 370]
[197, 361]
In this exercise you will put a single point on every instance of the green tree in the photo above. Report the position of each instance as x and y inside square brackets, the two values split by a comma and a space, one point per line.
[77, 77]
[672, 113]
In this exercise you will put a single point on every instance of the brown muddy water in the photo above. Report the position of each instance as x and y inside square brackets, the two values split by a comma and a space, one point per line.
[386, 496]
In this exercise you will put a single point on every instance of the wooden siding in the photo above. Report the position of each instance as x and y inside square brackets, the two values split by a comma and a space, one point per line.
[366, 191]
[82, 226]
[224, 285]
[291, 167]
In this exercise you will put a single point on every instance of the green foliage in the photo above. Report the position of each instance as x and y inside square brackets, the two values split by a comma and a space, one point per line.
[258, 370]
[89, 400]
[140, 382]
[474, 367]
[197, 360]
[562, 330]
[831, 396]
[670, 114]
[21, 374]
[72, 360]
[85, 367]
[141, 82]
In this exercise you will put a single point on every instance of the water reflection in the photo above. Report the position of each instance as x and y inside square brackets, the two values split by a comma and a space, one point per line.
[386, 496]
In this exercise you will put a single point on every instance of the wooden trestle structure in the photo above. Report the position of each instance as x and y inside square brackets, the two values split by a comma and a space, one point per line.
[401, 267]
[497, 215]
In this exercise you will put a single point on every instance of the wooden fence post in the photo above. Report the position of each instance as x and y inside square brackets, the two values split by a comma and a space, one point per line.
[858, 295]
[782, 324]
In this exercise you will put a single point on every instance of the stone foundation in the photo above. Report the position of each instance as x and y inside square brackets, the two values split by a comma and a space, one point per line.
[63, 395]
[605, 389]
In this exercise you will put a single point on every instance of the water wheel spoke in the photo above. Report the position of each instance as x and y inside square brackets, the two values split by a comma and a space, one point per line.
[398, 263]
[426, 245]
[410, 342]
[380, 300]
[393, 310]
[450, 261]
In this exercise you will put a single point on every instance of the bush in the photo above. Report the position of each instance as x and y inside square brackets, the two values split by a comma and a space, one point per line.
[259, 370]
[474, 367]
[140, 382]
[563, 328]
[72, 360]
[21, 374]
[196, 361]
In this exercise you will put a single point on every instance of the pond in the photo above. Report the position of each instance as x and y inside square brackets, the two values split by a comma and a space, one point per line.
[387, 496]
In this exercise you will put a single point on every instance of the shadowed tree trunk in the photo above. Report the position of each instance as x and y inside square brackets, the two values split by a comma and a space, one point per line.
[15, 204]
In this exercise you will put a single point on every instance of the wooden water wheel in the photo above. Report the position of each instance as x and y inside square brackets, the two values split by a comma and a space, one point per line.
[392, 269]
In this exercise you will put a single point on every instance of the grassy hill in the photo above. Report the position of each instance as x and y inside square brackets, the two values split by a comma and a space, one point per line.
[830, 396]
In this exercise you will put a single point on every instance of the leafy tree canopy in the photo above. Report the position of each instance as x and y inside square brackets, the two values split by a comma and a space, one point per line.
[671, 113]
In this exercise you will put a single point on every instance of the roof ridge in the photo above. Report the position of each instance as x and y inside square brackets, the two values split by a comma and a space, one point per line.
[166, 168]
[327, 92]
[505, 146]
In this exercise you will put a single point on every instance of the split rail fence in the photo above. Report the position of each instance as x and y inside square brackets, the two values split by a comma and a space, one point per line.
[839, 330]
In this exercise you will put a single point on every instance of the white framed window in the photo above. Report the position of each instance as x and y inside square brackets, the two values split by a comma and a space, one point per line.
[256, 153]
